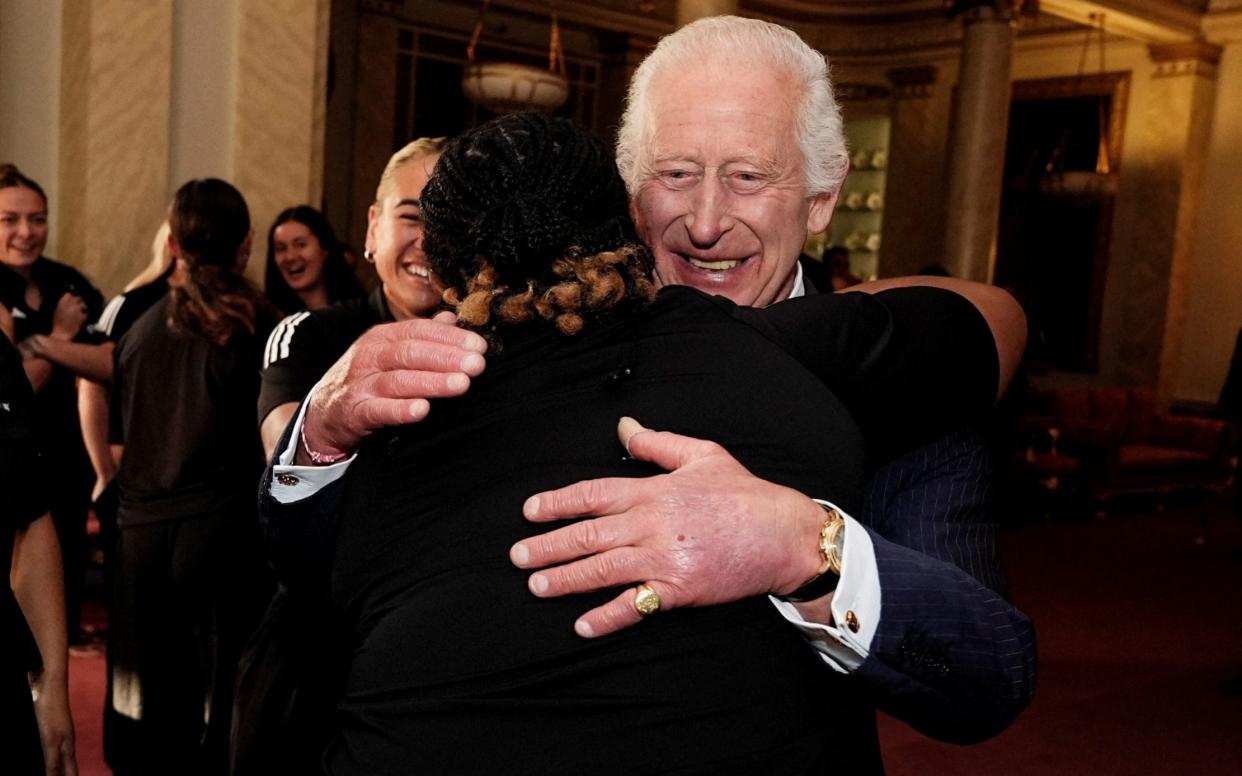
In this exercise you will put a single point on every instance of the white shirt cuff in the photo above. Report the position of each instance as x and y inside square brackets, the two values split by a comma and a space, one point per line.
[292, 483]
[856, 603]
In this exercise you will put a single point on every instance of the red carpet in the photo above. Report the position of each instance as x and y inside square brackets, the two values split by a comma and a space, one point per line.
[1137, 628]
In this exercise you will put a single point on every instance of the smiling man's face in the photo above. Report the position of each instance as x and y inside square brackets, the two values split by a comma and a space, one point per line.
[722, 200]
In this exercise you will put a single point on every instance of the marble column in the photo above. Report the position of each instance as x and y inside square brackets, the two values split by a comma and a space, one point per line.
[690, 10]
[282, 70]
[914, 200]
[1153, 247]
[977, 146]
[114, 134]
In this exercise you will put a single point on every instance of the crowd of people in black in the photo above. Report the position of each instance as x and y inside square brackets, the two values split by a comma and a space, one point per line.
[144, 409]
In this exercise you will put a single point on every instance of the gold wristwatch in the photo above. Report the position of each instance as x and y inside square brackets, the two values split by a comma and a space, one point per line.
[831, 545]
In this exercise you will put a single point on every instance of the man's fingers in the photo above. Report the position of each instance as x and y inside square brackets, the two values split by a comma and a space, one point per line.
[573, 541]
[663, 448]
[619, 613]
[379, 413]
[429, 330]
[607, 569]
[423, 354]
[418, 384]
[610, 495]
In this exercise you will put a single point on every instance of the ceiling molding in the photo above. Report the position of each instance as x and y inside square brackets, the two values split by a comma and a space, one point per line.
[598, 14]
[844, 11]
[1162, 21]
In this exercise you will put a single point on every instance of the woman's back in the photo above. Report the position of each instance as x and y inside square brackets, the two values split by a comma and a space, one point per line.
[185, 412]
[457, 667]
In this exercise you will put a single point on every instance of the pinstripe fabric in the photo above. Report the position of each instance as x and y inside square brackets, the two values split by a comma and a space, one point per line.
[952, 657]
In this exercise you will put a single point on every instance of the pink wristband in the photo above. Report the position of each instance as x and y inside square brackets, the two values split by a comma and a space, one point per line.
[317, 458]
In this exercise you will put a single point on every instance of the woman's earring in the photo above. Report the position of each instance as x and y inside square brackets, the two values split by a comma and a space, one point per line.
[369, 255]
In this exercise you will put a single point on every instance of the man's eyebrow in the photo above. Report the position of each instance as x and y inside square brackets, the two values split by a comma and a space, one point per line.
[410, 202]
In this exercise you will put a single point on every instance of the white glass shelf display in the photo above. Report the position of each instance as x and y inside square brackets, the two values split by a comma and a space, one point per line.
[858, 221]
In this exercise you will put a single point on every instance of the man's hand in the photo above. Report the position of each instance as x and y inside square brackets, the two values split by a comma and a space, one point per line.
[51, 704]
[709, 532]
[69, 316]
[386, 378]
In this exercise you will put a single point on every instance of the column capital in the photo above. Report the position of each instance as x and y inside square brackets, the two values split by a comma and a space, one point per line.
[917, 81]
[853, 92]
[1195, 57]
[972, 11]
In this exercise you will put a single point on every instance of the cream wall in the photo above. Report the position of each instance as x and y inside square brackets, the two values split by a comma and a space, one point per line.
[204, 90]
[118, 102]
[1143, 297]
[1214, 312]
[30, 93]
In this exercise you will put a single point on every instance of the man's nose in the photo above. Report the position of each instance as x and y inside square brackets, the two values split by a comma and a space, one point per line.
[708, 219]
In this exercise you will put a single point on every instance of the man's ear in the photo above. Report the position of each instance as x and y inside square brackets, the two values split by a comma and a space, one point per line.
[821, 210]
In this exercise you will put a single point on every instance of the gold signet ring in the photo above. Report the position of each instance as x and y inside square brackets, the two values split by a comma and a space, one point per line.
[646, 600]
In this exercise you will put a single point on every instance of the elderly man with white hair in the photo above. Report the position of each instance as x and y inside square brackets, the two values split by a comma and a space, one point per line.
[732, 151]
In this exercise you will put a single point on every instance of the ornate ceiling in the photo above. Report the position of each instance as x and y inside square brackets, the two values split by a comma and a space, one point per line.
[862, 27]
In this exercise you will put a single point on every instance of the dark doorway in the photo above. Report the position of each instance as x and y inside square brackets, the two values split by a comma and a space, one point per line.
[1063, 151]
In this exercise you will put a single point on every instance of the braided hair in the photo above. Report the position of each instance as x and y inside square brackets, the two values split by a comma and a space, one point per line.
[526, 219]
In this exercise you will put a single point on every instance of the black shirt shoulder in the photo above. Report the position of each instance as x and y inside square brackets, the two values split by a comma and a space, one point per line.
[911, 363]
[303, 346]
[124, 310]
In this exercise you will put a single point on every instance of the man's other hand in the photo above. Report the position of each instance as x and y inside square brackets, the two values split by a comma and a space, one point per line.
[387, 377]
[708, 532]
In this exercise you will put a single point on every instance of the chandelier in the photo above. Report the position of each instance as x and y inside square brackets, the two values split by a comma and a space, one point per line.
[504, 87]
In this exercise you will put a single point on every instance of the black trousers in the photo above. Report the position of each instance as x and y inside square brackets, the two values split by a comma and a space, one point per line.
[70, 479]
[188, 593]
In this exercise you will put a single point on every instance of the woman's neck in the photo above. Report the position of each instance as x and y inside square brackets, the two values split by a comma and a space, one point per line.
[25, 272]
[313, 299]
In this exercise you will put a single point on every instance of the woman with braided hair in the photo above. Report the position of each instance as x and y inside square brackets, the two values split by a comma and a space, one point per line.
[190, 581]
[454, 666]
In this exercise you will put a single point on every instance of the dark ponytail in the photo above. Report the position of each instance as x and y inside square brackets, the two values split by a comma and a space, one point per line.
[210, 221]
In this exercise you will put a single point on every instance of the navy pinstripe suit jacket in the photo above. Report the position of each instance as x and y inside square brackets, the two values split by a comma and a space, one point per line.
[951, 656]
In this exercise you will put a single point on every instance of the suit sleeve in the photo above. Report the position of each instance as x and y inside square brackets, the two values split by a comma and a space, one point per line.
[298, 534]
[950, 656]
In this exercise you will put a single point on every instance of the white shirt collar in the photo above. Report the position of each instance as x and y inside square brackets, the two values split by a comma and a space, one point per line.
[799, 288]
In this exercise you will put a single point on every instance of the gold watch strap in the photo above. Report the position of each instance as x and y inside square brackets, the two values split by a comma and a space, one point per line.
[831, 543]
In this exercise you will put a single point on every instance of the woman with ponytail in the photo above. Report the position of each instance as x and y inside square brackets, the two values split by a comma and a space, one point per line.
[191, 582]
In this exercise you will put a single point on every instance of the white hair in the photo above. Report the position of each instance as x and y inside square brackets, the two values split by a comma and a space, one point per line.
[817, 123]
